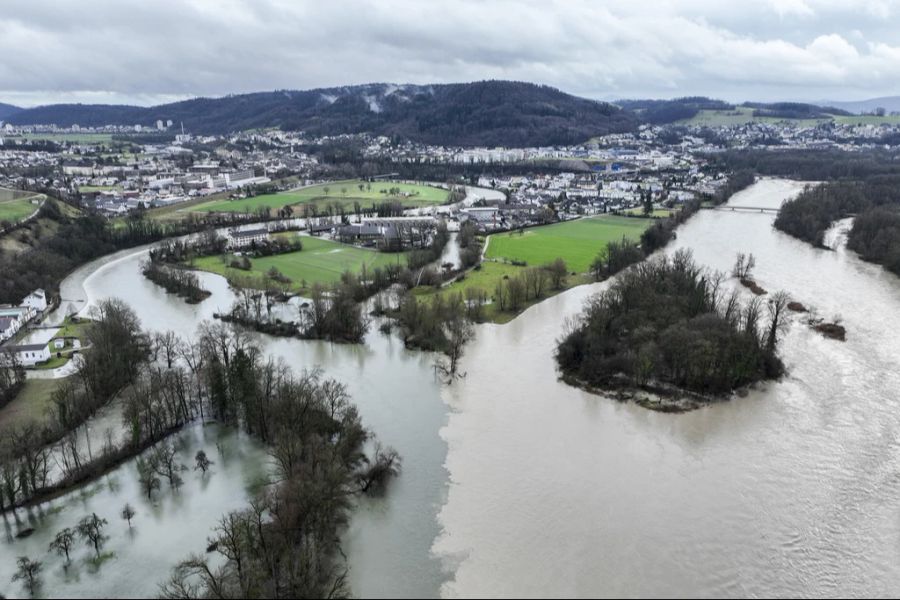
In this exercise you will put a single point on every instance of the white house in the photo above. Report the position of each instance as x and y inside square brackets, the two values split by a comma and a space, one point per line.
[12, 319]
[8, 328]
[31, 354]
[37, 300]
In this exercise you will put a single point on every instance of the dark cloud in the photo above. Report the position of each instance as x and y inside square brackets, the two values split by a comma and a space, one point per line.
[147, 52]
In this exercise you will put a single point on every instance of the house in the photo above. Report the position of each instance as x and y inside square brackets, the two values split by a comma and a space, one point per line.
[8, 328]
[12, 319]
[241, 238]
[37, 300]
[31, 354]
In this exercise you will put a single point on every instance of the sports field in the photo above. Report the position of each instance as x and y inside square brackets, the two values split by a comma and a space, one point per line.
[345, 193]
[320, 261]
[15, 205]
[576, 242]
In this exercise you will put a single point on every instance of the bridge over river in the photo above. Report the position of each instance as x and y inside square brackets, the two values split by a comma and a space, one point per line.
[736, 208]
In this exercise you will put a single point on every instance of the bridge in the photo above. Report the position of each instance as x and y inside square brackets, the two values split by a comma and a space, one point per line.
[759, 209]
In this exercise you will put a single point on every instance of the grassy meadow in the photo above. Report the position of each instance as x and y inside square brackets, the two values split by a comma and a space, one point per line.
[320, 261]
[344, 193]
[576, 242]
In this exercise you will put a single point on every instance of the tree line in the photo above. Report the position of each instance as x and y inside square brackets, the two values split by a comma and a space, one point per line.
[286, 543]
[875, 204]
[77, 240]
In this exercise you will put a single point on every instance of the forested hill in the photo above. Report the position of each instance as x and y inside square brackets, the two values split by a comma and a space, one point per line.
[7, 110]
[484, 113]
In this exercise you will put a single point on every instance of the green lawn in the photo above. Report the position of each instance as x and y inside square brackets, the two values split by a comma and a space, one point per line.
[576, 242]
[486, 279]
[76, 138]
[344, 193]
[320, 261]
[16, 205]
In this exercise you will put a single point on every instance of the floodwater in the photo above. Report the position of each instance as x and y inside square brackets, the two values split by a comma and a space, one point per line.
[515, 484]
[134, 560]
[793, 490]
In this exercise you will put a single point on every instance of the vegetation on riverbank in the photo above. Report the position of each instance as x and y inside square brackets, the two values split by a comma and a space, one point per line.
[666, 322]
[875, 204]
[78, 238]
[320, 261]
[176, 281]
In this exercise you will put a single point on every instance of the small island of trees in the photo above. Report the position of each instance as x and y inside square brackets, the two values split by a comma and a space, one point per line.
[668, 327]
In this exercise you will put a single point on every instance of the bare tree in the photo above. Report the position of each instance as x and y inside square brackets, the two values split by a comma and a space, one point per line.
[743, 266]
[384, 464]
[777, 307]
[167, 344]
[28, 571]
[90, 529]
[147, 476]
[63, 542]
[128, 514]
[202, 461]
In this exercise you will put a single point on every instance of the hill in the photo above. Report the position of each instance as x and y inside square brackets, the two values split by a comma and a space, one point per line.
[7, 110]
[661, 112]
[888, 103]
[484, 113]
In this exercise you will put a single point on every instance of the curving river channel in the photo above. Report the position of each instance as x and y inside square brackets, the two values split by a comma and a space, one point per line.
[515, 484]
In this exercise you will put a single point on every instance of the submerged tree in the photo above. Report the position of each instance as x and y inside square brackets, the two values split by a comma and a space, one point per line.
[28, 571]
[90, 529]
[63, 542]
[202, 461]
[128, 514]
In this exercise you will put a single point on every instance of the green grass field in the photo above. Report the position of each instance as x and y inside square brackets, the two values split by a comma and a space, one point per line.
[741, 115]
[344, 193]
[15, 205]
[486, 279]
[76, 138]
[576, 242]
[320, 261]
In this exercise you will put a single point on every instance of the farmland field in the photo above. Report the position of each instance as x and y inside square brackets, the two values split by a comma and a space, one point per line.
[344, 193]
[320, 261]
[577, 242]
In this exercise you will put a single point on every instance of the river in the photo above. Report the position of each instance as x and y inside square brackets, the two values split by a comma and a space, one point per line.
[791, 491]
[515, 484]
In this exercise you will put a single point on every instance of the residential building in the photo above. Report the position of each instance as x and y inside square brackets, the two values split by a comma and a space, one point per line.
[31, 354]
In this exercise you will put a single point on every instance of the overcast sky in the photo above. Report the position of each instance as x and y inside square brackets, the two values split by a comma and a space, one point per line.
[156, 51]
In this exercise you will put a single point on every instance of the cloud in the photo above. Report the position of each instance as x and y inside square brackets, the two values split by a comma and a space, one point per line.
[158, 51]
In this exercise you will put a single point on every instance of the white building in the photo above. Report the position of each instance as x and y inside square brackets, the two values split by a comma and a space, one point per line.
[37, 300]
[31, 354]
[241, 238]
